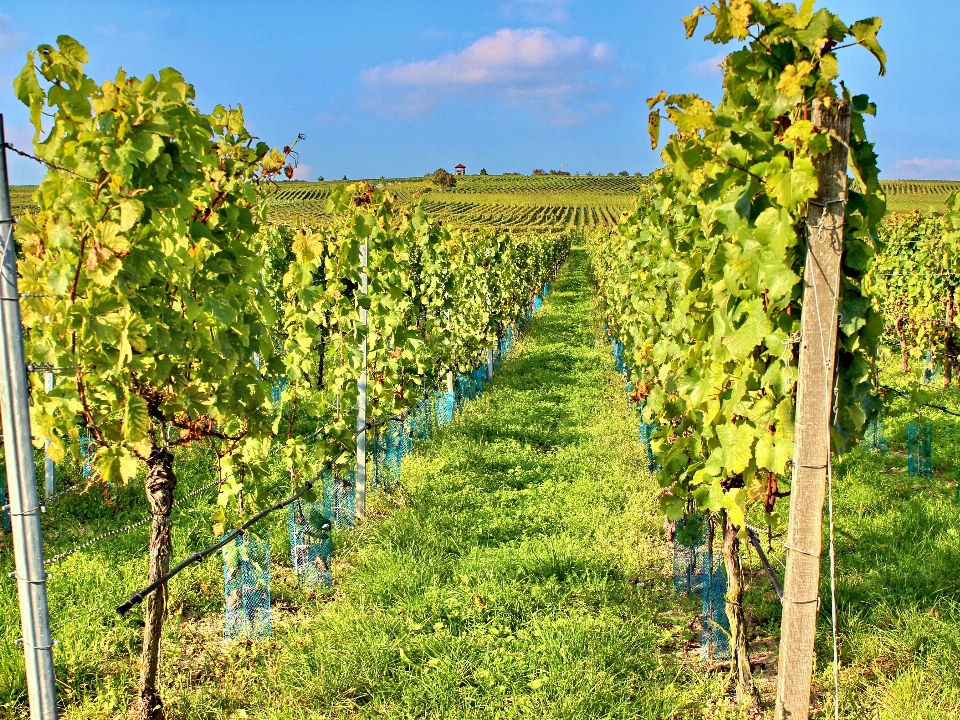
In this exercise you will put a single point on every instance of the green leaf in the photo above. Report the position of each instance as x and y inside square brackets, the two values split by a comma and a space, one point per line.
[72, 50]
[865, 31]
[748, 336]
[775, 229]
[791, 184]
[674, 507]
[28, 91]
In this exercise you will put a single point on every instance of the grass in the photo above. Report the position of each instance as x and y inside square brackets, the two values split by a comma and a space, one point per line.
[518, 572]
[898, 591]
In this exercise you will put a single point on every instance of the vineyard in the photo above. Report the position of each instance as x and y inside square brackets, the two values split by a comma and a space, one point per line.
[682, 445]
[526, 201]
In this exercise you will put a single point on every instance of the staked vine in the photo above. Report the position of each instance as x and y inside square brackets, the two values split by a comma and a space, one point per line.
[702, 283]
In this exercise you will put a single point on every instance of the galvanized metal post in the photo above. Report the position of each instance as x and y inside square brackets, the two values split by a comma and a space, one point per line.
[361, 480]
[21, 476]
[49, 469]
[489, 363]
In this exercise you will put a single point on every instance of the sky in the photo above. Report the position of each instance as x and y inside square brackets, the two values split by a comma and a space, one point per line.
[400, 88]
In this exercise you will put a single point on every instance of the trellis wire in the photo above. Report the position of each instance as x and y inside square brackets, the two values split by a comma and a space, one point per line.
[311, 546]
[138, 596]
[920, 450]
[246, 586]
[125, 529]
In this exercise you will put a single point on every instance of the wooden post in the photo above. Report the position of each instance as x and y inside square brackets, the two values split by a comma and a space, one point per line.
[801, 598]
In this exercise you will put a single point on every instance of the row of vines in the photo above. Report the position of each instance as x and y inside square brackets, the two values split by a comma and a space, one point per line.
[702, 283]
[174, 313]
[915, 280]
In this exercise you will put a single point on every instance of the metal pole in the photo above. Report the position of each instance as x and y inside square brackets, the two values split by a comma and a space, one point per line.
[21, 477]
[361, 479]
[49, 470]
[489, 363]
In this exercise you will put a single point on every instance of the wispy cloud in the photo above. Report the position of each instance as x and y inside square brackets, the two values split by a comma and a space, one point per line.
[113, 31]
[538, 70]
[10, 37]
[709, 67]
[926, 169]
[536, 11]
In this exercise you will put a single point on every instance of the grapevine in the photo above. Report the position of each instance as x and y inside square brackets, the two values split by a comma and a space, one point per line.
[702, 283]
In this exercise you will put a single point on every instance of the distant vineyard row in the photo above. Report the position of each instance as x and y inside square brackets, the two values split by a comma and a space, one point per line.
[526, 201]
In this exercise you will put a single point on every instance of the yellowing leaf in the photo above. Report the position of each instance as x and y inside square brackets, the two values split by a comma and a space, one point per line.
[130, 211]
[792, 78]
[735, 502]
[690, 22]
[737, 444]
[653, 127]
[136, 419]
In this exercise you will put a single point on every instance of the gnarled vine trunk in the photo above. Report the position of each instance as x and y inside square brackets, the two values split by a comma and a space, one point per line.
[160, 485]
[739, 659]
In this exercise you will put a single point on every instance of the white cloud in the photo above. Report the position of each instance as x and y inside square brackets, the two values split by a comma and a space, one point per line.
[926, 169]
[112, 30]
[709, 67]
[10, 37]
[536, 11]
[303, 172]
[536, 69]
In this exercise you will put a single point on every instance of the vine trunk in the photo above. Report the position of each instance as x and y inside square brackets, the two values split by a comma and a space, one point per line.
[739, 657]
[160, 485]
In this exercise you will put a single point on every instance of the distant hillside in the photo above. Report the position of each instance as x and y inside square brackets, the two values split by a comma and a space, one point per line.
[524, 200]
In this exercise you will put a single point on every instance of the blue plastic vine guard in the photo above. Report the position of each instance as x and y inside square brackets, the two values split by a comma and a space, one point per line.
[246, 587]
[920, 450]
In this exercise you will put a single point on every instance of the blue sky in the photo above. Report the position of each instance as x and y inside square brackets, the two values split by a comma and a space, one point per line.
[401, 88]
